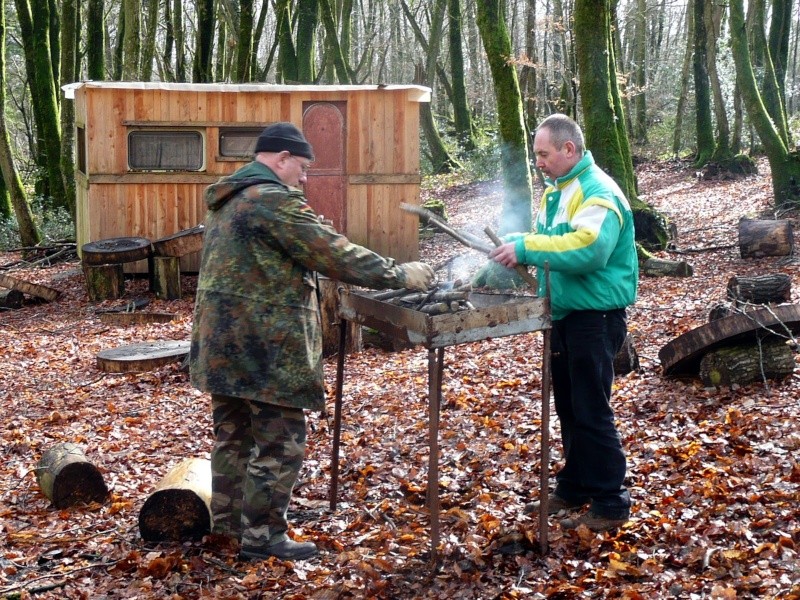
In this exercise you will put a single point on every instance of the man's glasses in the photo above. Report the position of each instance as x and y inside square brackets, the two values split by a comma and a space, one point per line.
[303, 166]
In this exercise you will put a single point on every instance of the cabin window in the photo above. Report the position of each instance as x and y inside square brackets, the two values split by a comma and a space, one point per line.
[165, 150]
[80, 146]
[238, 142]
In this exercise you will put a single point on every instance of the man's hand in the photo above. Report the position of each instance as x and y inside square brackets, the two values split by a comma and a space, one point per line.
[419, 276]
[506, 255]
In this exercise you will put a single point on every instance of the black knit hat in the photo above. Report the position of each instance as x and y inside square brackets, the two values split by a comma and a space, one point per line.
[284, 136]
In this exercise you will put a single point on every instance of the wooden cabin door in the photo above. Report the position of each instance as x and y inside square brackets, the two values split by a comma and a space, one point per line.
[324, 128]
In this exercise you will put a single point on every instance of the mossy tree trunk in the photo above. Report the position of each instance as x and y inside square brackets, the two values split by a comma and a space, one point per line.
[517, 182]
[461, 115]
[306, 39]
[202, 71]
[784, 164]
[95, 40]
[604, 121]
[702, 92]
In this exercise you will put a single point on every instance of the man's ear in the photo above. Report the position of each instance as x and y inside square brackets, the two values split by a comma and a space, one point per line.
[569, 146]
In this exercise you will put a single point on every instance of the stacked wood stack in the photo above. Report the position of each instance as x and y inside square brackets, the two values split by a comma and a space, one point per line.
[769, 356]
[179, 509]
[66, 477]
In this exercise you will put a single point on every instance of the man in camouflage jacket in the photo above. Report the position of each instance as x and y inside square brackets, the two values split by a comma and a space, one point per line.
[256, 337]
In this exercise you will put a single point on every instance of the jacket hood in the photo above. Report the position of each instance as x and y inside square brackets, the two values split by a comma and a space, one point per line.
[254, 173]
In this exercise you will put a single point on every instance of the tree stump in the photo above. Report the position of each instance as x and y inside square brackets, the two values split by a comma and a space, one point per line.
[67, 478]
[32, 289]
[626, 360]
[759, 238]
[774, 288]
[145, 356]
[746, 363]
[180, 507]
[329, 309]
[104, 282]
[656, 267]
[167, 277]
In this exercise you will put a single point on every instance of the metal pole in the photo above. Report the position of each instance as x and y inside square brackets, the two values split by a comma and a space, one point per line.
[337, 413]
[435, 369]
[544, 476]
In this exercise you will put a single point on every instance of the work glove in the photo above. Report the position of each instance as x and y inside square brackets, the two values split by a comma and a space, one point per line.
[419, 276]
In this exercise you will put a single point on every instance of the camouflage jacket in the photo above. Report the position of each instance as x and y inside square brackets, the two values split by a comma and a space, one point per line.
[256, 332]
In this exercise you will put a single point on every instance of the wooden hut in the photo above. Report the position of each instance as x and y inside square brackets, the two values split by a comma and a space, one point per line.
[145, 152]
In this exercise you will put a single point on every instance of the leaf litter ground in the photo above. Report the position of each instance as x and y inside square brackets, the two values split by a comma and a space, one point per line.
[713, 472]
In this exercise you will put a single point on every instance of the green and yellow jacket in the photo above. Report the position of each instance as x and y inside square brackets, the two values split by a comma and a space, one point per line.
[584, 230]
[256, 332]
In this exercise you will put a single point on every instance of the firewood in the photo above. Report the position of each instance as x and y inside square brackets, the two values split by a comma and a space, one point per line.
[746, 363]
[656, 267]
[626, 360]
[67, 478]
[329, 311]
[759, 238]
[179, 509]
[760, 289]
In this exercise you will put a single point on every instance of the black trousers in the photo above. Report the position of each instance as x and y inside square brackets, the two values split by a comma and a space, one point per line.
[582, 351]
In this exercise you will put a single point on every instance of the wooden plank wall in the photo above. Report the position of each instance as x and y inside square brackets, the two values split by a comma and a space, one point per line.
[382, 160]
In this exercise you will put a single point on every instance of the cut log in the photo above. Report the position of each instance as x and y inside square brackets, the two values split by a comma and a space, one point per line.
[626, 360]
[682, 355]
[181, 243]
[135, 318]
[32, 289]
[179, 509]
[141, 357]
[116, 250]
[773, 288]
[329, 309]
[12, 299]
[656, 267]
[67, 478]
[104, 282]
[746, 363]
[167, 277]
[759, 238]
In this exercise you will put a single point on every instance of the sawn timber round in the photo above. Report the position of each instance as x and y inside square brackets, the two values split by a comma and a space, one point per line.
[141, 357]
[116, 250]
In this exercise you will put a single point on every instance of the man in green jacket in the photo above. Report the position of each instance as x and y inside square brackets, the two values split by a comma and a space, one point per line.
[584, 231]
[256, 336]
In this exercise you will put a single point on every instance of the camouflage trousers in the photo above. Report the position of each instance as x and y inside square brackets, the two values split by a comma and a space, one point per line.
[255, 463]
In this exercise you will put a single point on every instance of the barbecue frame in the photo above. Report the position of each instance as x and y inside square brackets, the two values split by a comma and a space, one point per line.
[495, 315]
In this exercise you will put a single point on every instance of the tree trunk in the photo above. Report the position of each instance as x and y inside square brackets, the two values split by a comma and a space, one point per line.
[307, 21]
[244, 46]
[179, 509]
[746, 363]
[95, 40]
[784, 166]
[28, 233]
[461, 116]
[703, 120]
[677, 144]
[69, 73]
[202, 71]
[287, 55]
[104, 282]
[131, 45]
[180, 40]
[640, 72]
[517, 183]
[722, 150]
[67, 478]
[149, 46]
[340, 61]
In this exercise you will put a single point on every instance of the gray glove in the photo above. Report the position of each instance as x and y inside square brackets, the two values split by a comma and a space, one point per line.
[419, 276]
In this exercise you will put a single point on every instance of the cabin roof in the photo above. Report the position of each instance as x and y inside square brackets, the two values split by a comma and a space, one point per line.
[416, 93]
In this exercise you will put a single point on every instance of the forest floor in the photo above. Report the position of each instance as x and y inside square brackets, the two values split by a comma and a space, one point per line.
[713, 472]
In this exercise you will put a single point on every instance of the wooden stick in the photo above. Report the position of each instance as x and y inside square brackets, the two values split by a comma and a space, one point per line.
[521, 269]
[457, 235]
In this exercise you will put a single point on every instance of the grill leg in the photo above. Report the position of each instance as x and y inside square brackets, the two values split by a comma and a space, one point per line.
[337, 414]
[544, 492]
[435, 372]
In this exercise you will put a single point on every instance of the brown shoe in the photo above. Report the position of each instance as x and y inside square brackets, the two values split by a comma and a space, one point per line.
[555, 505]
[285, 550]
[593, 521]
